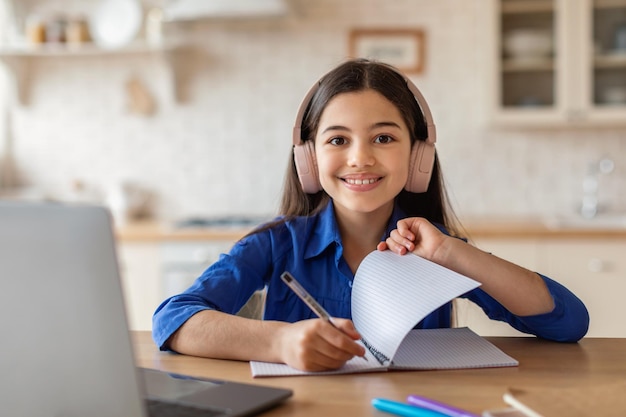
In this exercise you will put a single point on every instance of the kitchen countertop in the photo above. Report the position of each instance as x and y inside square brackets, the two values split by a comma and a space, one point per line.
[537, 228]
[158, 231]
[476, 228]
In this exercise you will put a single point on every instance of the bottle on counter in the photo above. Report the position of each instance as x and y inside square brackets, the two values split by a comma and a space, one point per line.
[154, 27]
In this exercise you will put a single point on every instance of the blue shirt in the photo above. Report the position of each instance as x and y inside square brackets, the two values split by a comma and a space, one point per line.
[311, 249]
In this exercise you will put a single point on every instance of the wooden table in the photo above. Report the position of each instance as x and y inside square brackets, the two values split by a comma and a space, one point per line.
[591, 362]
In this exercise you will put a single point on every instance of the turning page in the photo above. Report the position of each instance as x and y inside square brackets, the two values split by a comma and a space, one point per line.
[392, 293]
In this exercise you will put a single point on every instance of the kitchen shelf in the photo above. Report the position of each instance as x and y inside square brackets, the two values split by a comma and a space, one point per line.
[512, 65]
[610, 61]
[18, 59]
[83, 49]
[609, 4]
[526, 6]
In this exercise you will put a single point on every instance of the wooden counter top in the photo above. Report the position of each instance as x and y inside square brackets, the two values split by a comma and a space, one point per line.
[535, 228]
[159, 231]
[593, 362]
[155, 231]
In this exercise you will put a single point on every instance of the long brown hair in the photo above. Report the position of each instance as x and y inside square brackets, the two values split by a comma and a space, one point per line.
[358, 75]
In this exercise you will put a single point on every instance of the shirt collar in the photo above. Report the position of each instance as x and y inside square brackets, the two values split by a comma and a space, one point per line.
[326, 231]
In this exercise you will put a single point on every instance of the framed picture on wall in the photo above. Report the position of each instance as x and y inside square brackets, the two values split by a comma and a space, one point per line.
[402, 48]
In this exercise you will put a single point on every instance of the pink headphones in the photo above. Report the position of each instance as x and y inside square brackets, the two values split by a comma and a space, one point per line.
[422, 152]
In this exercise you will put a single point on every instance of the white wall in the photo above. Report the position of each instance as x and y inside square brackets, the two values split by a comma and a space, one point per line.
[224, 150]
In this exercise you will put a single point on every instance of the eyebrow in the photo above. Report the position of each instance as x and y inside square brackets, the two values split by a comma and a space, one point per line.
[374, 126]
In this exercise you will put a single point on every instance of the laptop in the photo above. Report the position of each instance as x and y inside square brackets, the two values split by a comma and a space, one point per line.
[65, 345]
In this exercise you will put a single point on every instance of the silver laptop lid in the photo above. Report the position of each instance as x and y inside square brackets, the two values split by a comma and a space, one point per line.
[66, 350]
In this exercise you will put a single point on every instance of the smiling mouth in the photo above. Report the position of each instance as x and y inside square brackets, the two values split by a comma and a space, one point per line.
[366, 181]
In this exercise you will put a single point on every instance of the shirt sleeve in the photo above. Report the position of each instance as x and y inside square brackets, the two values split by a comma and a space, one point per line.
[225, 286]
[567, 322]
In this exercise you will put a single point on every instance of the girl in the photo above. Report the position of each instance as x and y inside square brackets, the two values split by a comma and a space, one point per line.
[363, 175]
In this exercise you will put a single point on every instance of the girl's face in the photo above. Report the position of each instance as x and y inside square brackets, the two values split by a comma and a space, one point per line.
[362, 147]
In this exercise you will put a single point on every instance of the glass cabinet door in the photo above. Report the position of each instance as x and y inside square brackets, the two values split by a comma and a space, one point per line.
[528, 74]
[560, 63]
[608, 69]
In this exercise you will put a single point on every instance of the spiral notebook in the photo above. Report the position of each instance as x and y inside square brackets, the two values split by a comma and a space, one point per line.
[390, 295]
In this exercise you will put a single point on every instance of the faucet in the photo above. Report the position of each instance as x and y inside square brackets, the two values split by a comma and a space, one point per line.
[591, 182]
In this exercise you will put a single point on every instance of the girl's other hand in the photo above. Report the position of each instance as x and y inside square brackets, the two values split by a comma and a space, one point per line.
[414, 234]
[317, 345]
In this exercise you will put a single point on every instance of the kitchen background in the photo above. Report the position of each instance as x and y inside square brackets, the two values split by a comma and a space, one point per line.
[222, 148]
[197, 115]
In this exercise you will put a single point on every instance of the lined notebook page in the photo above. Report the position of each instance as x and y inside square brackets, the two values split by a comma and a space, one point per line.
[448, 349]
[422, 349]
[392, 293]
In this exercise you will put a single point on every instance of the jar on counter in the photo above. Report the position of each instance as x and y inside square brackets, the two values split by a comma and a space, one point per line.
[55, 29]
[77, 31]
[35, 29]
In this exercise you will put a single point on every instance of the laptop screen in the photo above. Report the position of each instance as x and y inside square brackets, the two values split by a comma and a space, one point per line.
[66, 350]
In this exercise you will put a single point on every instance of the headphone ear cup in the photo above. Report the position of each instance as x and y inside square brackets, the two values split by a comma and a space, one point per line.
[420, 167]
[306, 166]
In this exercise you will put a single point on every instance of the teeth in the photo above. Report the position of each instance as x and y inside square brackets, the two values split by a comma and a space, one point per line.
[361, 182]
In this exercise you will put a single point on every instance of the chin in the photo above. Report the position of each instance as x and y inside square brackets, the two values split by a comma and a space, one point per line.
[366, 206]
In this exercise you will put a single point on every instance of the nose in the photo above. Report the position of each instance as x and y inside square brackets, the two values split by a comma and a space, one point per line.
[361, 154]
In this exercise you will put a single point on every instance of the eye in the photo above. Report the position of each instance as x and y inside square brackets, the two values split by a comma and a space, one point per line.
[383, 139]
[337, 140]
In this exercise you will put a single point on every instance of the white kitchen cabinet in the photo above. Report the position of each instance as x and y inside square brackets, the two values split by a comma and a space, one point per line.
[140, 268]
[183, 261]
[154, 270]
[593, 268]
[582, 82]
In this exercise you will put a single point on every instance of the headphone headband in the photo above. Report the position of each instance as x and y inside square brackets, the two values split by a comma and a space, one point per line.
[419, 97]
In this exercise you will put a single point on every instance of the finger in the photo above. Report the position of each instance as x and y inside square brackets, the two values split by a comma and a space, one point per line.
[399, 243]
[404, 228]
[318, 361]
[321, 355]
[341, 341]
[395, 246]
[310, 351]
[347, 327]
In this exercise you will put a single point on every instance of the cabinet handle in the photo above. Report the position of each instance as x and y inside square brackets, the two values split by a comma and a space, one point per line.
[597, 265]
